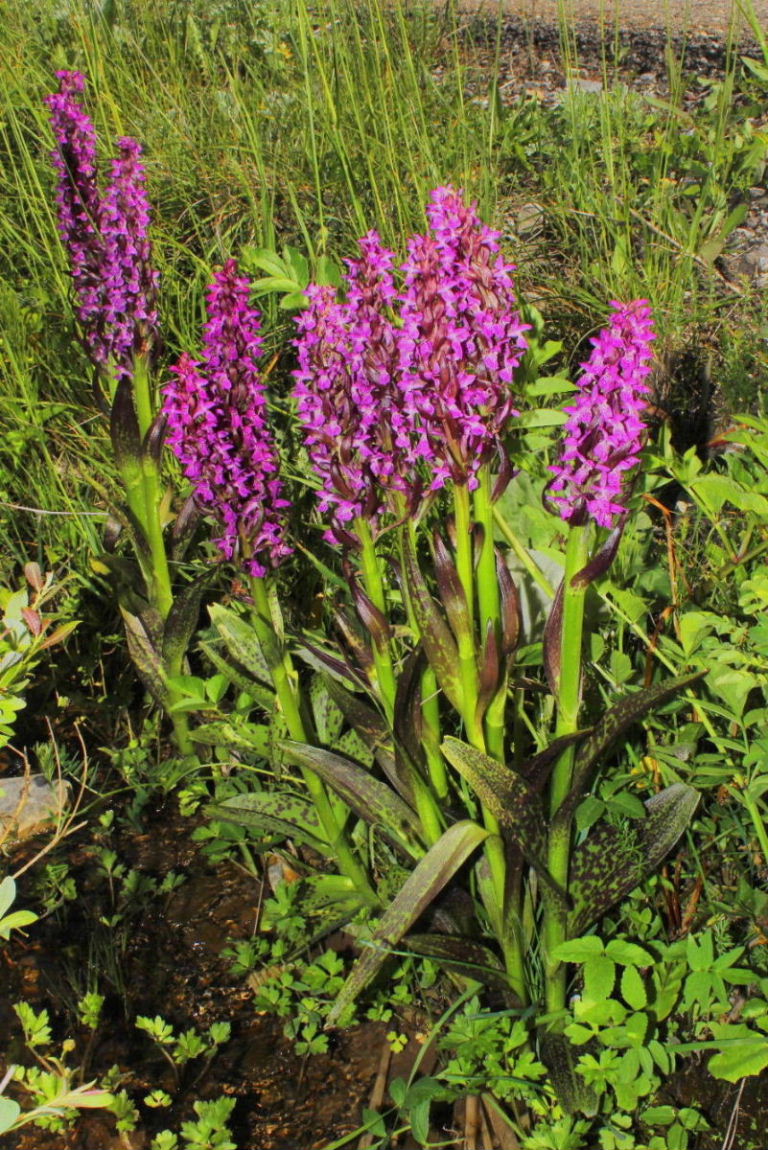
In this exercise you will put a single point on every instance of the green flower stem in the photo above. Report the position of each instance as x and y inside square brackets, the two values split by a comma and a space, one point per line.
[160, 575]
[432, 736]
[568, 701]
[488, 595]
[284, 680]
[494, 845]
[489, 602]
[141, 480]
[430, 691]
[374, 589]
[466, 640]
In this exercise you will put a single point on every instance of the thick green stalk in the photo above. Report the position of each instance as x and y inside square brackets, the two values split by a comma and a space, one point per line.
[160, 575]
[568, 701]
[430, 691]
[284, 680]
[489, 603]
[466, 640]
[141, 480]
[374, 589]
[494, 846]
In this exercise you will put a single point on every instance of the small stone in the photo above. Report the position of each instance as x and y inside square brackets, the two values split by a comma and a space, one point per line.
[591, 87]
[529, 219]
[29, 804]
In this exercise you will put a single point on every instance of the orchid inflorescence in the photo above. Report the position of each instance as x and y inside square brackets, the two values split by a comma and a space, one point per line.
[217, 427]
[604, 432]
[106, 234]
[399, 390]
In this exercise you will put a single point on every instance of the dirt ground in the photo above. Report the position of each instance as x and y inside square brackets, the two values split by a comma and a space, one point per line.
[694, 16]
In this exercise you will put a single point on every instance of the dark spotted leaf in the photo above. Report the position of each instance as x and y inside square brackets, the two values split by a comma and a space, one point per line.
[144, 636]
[263, 695]
[370, 798]
[327, 715]
[506, 794]
[598, 565]
[241, 641]
[251, 738]
[510, 607]
[124, 431]
[462, 955]
[553, 635]
[152, 447]
[182, 619]
[613, 860]
[613, 724]
[433, 872]
[450, 587]
[274, 813]
[184, 527]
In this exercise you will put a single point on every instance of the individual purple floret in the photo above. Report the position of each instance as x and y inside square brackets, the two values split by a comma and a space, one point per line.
[461, 341]
[106, 236]
[604, 432]
[217, 426]
[347, 393]
[130, 282]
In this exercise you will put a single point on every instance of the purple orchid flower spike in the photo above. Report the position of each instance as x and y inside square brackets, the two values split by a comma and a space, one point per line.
[604, 432]
[347, 393]
[217, 426]
[107, 236]
[462, 339]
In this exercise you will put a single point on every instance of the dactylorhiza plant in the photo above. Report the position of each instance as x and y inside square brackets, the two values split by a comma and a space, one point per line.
[106, 234]
[401, 393]
[216, 412]
[604, 435]
[408, 392]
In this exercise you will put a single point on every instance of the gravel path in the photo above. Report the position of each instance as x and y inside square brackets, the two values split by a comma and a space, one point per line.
[694, 16]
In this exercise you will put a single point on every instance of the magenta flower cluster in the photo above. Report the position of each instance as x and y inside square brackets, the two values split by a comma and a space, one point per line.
[107, 236]
[401, 391]
[216, 413]
[346, 389]
[604, 433]
[462, 339]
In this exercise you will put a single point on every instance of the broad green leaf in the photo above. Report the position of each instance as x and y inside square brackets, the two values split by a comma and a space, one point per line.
[284, 814]
[431, 874]
[7, 894]
[370, 798]
[509, 798]
[599, 974]
[579, 949]
[741, 1058]
[16, 921]
[628, 953]
[10, 1112]
[633, 988]
[612, 862]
